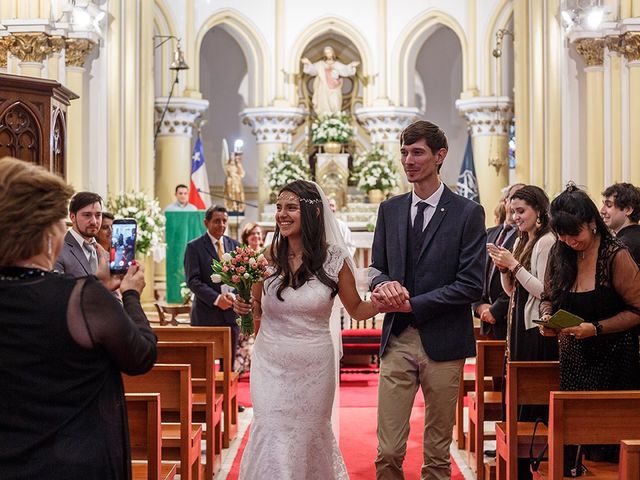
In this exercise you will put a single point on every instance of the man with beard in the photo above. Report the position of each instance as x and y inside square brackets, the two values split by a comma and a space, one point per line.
[79, 256]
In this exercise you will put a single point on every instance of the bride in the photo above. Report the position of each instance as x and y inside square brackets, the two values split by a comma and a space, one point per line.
[294, 368]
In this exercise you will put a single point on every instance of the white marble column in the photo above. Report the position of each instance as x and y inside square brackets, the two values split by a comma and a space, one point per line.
[489, 119]
[273, 128]
[384, 125]
[173, 144]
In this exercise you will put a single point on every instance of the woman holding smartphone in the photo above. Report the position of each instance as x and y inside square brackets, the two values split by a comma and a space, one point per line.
[522, 274]
[65, 342]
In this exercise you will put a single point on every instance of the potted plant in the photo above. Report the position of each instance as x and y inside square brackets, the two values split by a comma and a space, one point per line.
[375, 173]
[332, 131]
[284, 167]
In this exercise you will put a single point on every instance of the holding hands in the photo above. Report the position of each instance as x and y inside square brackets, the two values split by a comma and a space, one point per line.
[391, 297]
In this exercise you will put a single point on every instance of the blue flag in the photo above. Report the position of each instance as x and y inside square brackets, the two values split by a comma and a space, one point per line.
[467, 183]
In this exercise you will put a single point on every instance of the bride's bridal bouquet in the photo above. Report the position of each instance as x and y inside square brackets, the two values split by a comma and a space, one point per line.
[240, 269]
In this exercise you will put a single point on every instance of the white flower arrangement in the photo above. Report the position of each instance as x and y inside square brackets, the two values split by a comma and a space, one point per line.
[149, 217]
[285, 167]
[335, 127]
[375, 170]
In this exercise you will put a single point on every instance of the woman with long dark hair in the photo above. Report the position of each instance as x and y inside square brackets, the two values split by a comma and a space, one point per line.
[522, 274]
[592, 275]
[295, 359]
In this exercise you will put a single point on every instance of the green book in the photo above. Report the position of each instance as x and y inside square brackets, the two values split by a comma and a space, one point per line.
[564, 319]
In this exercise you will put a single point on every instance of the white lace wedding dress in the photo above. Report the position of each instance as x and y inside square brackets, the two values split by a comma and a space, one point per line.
[293, 382]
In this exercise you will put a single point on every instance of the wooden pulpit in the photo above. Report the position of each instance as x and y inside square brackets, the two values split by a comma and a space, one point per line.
[33, 120]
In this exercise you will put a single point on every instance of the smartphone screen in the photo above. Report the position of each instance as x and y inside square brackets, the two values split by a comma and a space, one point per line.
[123, 245]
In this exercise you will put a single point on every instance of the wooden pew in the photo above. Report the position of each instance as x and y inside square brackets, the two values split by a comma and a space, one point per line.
[179, 440]
[467, 384]
[483, 404]
[629, 460]
[226, 381]
[528, 383]
[590, 418]
[200, 355]
[145, 439]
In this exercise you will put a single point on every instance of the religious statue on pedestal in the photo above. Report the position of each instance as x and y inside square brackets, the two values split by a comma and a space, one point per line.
[233, 188]
[327, 86]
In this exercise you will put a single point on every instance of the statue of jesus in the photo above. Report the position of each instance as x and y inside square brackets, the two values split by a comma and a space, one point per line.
[327, 86]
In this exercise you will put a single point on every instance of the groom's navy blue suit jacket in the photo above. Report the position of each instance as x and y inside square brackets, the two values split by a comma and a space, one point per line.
[448, 273]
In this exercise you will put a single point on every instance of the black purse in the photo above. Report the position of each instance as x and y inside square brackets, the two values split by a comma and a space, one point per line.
[573, 455]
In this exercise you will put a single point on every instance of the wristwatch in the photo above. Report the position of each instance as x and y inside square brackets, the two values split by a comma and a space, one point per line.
[598, 326]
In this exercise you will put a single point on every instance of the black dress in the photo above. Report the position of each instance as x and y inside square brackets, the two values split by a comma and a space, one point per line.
[602, 362]
[63, 414]
[524, 344]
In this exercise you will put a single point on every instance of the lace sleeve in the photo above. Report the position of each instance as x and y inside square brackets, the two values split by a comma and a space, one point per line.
[335, 260]
[96, 318]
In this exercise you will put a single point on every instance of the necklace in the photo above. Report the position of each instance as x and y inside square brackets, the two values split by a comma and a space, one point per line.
[22, 272]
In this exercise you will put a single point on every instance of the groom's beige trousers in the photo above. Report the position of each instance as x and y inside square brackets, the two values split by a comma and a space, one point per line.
[404, 367]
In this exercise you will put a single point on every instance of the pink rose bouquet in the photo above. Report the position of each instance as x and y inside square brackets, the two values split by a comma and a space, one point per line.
[240, 269]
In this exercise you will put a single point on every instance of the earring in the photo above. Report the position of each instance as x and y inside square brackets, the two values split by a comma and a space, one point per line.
[49, 246]
[594, 230]
[538, 222]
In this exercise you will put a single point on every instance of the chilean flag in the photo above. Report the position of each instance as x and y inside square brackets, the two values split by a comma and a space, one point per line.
[199, 178]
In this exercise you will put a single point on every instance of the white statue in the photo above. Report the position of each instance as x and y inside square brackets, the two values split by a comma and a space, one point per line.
[327, 86]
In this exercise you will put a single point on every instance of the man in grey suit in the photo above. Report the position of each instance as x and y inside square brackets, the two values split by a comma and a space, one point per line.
[79, 255]
[427, 268]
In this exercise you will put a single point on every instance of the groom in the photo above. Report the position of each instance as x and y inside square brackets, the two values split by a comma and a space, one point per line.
[427, 269]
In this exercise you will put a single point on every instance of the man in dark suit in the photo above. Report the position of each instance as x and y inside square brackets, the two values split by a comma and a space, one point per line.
[427, 268]
[493, 307]
[79, 252]
[213, 303]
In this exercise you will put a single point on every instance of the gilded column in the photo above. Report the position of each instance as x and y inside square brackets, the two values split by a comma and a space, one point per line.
[31, 49]
[53, 64]
[273, 128]
[592, 50]
[522, 86]
[4, 50]
[631, 51]
[75, 55]
[489, 119]
[384, 125]
[173, 143]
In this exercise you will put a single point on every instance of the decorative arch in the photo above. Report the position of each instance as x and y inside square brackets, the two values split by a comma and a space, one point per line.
[252, 44]
[319, 27]
[409, 44]
[163, 24]
[500, 19]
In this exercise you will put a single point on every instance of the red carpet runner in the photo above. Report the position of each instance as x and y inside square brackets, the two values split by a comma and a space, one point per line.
[358, 443]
